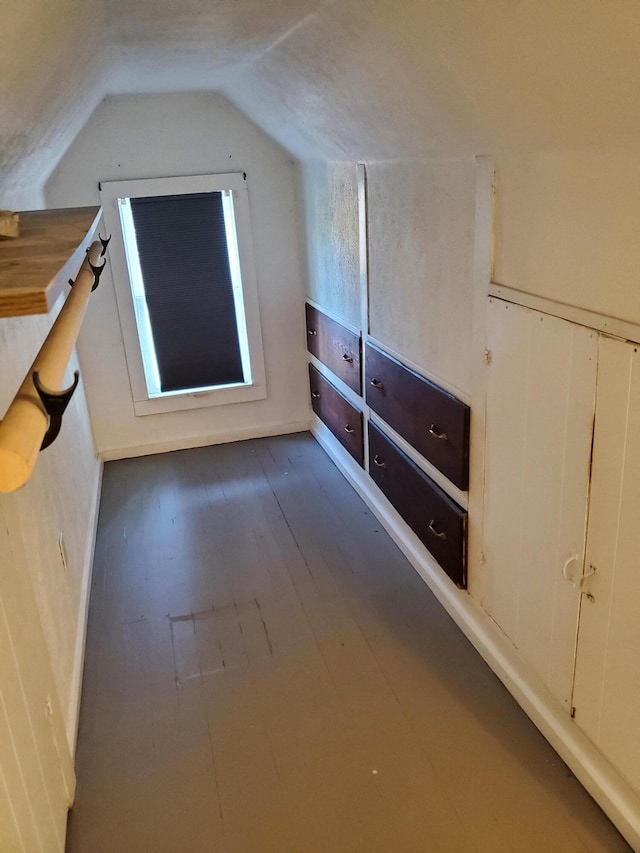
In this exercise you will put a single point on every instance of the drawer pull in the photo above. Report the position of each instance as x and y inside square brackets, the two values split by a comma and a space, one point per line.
[349, 429]
[315, 395]
[312, 332]
[377, 384]
[377, 461]
[440, 534]
[347, 357]
[435, 432]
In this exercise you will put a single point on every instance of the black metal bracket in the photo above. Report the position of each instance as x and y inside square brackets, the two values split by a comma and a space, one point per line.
[55, 403]
[105, 242]
[97, 271]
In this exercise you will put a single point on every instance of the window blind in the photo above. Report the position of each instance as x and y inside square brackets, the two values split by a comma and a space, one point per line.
[182, 249]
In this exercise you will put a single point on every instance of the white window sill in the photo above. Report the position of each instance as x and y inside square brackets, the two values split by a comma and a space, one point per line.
[199, 400]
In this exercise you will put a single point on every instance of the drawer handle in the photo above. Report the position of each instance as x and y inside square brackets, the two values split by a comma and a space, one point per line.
[315, 395]
[311, 332]
[346, 357]
[377, 461]
[440, 534]
[435, 432]
[377, 384]
[565, 570]
[349, 429]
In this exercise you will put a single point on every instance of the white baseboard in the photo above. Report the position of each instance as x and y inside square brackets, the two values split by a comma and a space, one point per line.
[224, 437]
[75, 693]
[616, 798]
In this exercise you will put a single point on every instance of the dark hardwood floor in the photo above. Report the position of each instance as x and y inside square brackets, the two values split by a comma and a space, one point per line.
[266, 673]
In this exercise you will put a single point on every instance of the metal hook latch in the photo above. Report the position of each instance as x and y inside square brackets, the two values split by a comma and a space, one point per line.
[55, 403]
[589, 573]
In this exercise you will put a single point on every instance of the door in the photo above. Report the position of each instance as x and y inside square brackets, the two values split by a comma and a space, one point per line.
[607, 683]
[539, 422]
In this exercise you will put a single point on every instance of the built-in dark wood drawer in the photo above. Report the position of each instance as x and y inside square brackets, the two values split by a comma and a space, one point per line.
[334, 346]
[343, 419]
[433, 421]
[437, 520]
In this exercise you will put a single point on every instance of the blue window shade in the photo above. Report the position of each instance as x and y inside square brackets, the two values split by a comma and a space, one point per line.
[182, 249]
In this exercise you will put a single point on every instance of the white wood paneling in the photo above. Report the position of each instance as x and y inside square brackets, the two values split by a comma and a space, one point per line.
[607, 686]
[36, 774]
[60, 499]
[482, 271]
[583, 317]
[540, 398]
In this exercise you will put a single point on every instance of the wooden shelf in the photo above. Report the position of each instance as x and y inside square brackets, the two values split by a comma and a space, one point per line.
[50, 250]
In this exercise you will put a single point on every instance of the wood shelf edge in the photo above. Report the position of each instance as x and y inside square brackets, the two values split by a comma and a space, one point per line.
[72, 266]
[17, 301]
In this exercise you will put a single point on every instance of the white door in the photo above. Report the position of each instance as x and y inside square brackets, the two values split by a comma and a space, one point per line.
[539, 419]
[607, 685]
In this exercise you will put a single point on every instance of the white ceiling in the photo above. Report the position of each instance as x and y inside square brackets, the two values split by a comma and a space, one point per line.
[341, 79]
[161, 45]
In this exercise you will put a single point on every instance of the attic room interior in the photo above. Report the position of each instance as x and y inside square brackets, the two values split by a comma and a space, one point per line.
[374, 588]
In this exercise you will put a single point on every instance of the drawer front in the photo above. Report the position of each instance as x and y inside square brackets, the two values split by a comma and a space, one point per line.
[437, 520]
[433, 421]
[334, 346]
[343, 419]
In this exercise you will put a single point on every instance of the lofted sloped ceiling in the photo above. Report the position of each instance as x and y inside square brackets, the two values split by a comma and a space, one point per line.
[339, 79]
[390, 80]
[161, 45]
[51, 79]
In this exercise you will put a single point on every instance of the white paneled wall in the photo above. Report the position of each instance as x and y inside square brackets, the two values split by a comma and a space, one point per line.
[540, 388]
[607, 688]
[36, 773]
[43, 609]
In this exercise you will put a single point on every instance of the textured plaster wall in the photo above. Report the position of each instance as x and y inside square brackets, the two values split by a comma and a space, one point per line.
[420, 217]
[331, 223]
[421, 230]
[189, 134]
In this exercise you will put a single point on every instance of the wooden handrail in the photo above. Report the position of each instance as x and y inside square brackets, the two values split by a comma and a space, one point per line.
[26, 421]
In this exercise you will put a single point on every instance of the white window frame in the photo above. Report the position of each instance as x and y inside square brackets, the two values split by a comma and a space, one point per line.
[146, 403]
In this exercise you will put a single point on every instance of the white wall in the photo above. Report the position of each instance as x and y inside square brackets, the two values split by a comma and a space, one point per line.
[567, 225]
[60, 498]
[184, 134]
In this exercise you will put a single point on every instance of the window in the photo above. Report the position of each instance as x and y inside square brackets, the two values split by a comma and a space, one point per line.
[185, 283]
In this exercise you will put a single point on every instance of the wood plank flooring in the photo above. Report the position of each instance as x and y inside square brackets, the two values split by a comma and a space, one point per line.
[265, 673]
